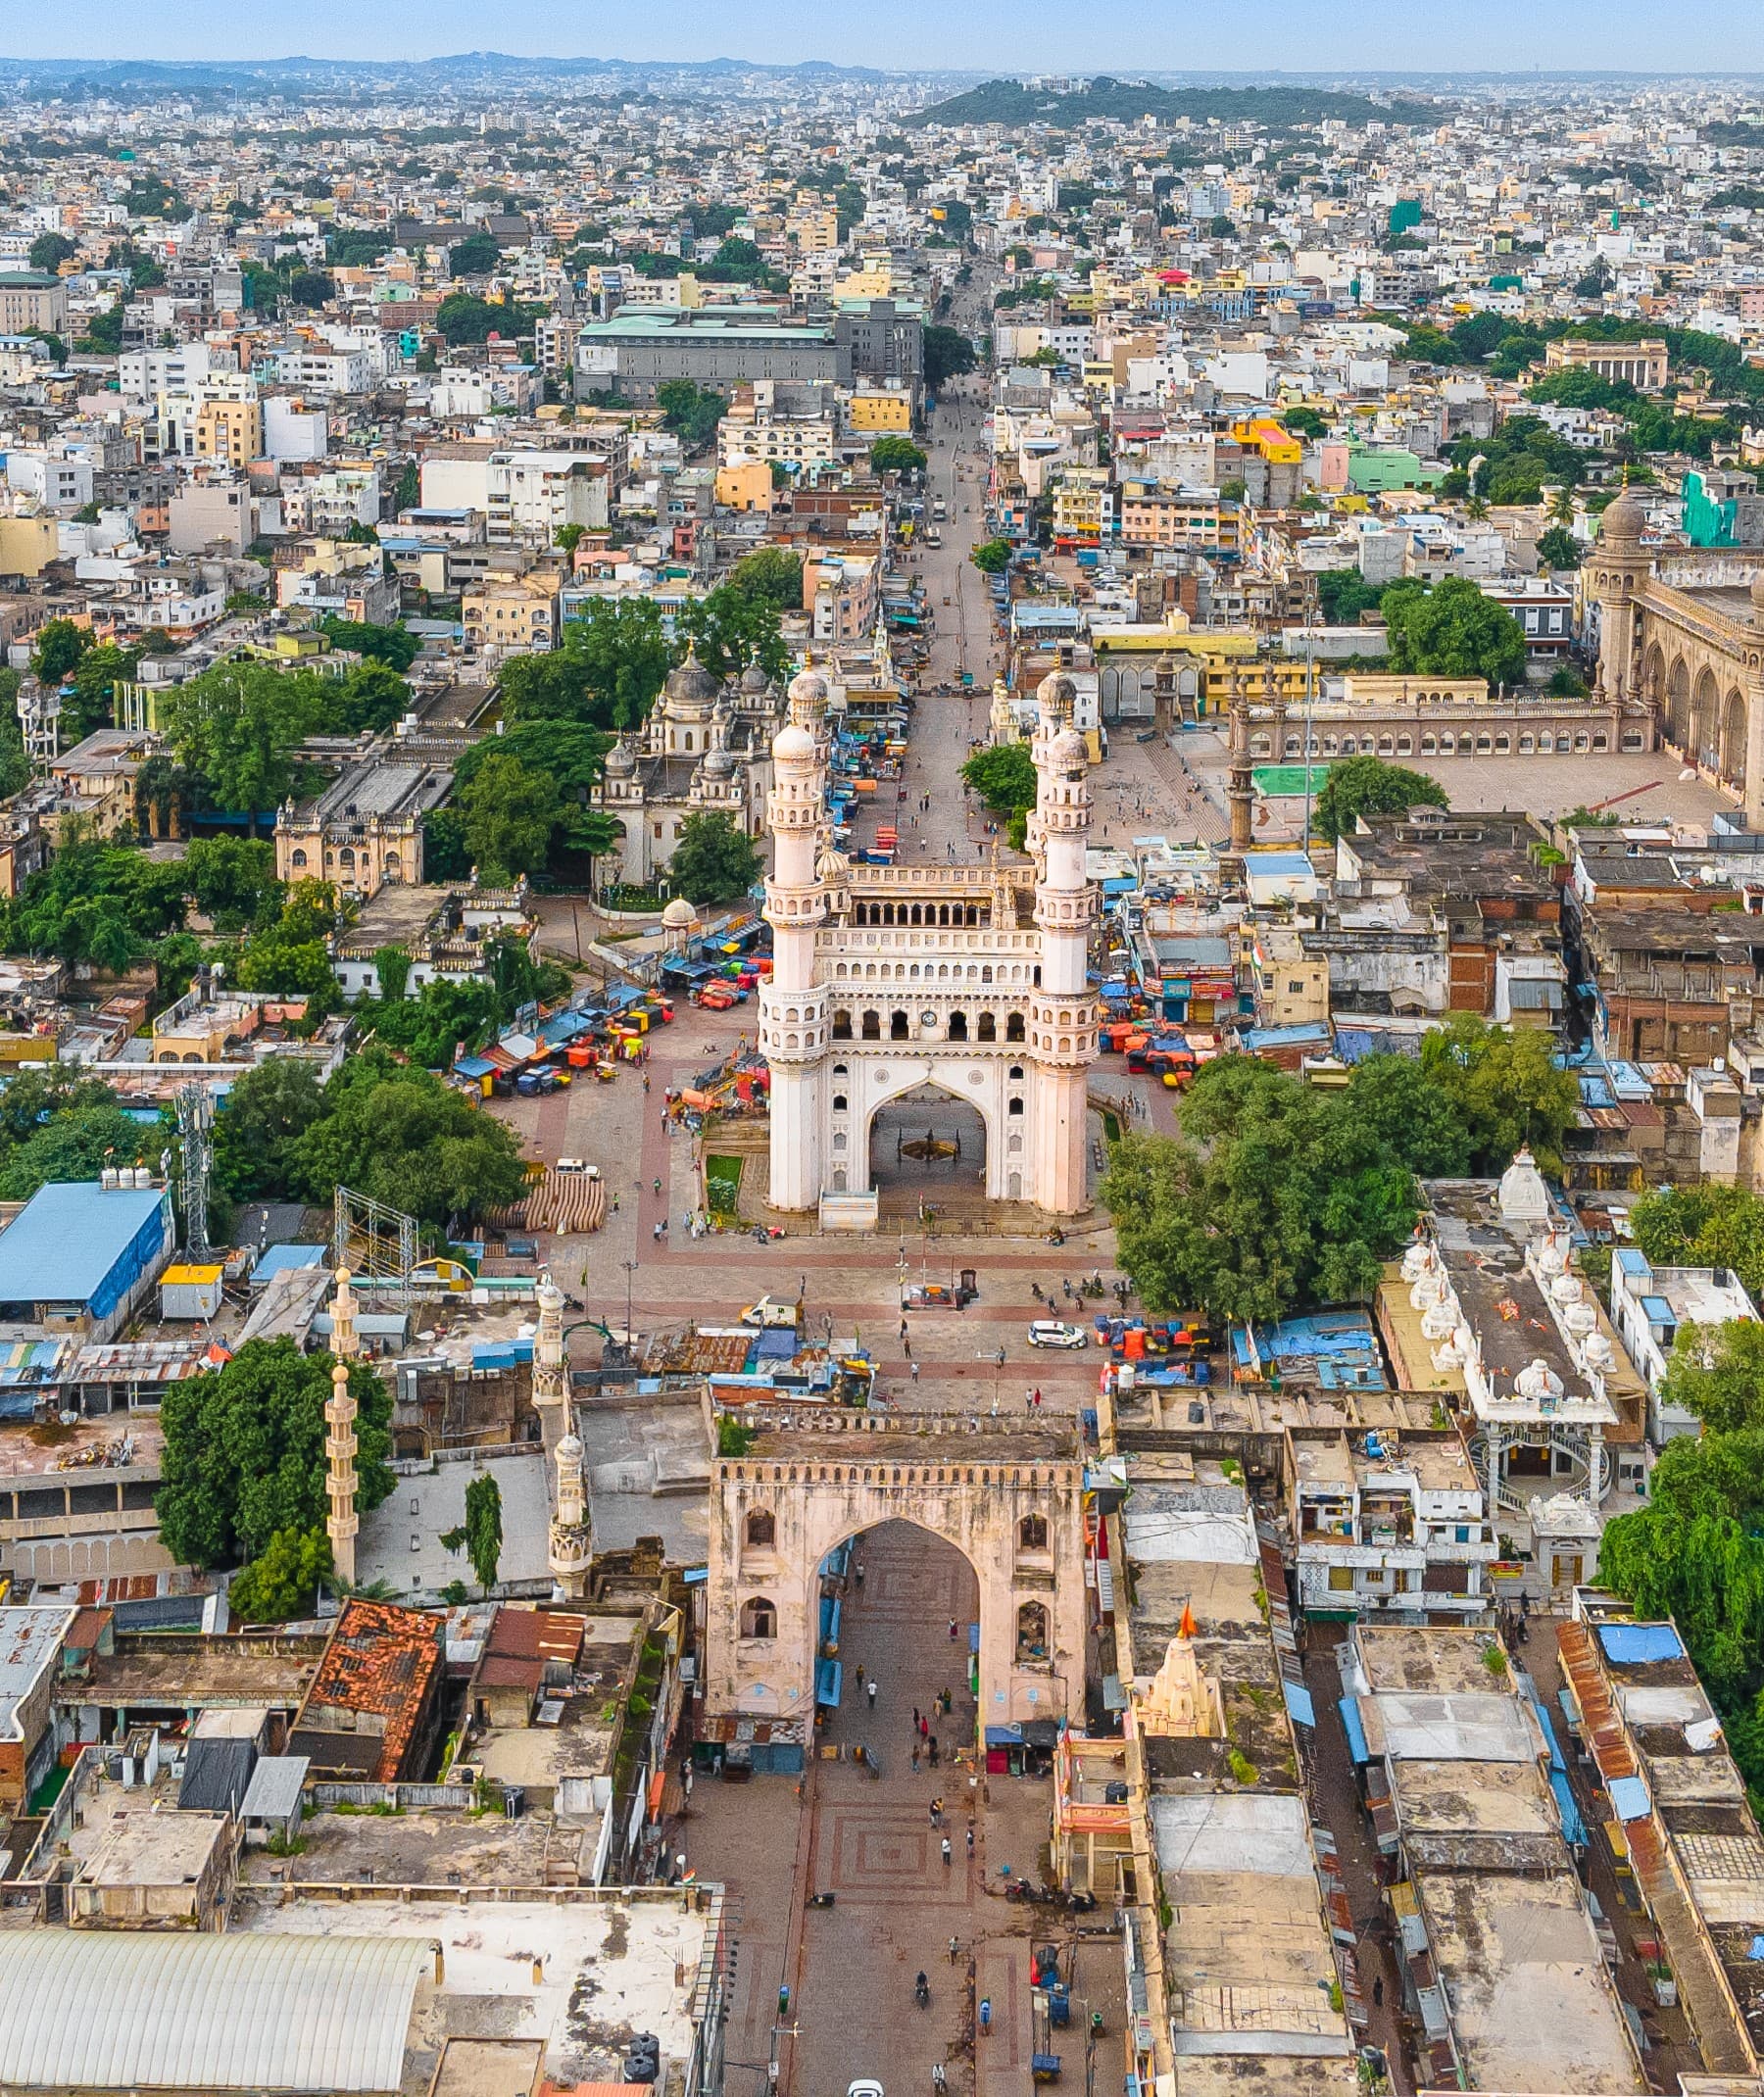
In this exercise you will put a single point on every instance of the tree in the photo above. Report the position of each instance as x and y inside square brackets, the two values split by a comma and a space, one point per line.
[896, 455]
[462, 318]
[232, 879]
[1705, 1225]
[1559, 548]
[371, 699]
[1305, 421]
[511, 813]
[568, 538]
[714, 861]
[771, 576]
[76, 1145]
[483, 1528]
[395, 646]
[1002, 775]
[103, 332]
[244, 1452]
[60, 644]
[607, 674]
[312, 288]
[1368, 786]
[406, 1139]
[949, 353]
[1342, 594]
[91, 702]
[992, 556]
[477, 255]
[1717, 1373]
[1506, 1088]
[690, 412]
[237, 727]
[730, 629]
[265, 1112]
[283, 1582]
[1453, 630]
[48, 251]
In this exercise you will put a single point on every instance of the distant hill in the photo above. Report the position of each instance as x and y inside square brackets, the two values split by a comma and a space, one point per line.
[1107, 101]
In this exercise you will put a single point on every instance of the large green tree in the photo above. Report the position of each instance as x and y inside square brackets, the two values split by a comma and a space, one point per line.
[605, 675]
[244, 1452]
[266, 1112]
[484, 1527]
[731, 628]
[1703, 1226]
[283, 1581]
[1717, 1373]
[407, 1139]
[1002, 775]
[715, 861]
[1506, 1088]
[949, 353]
[1368, 786]
[238, 727]
[771, 576]
[511, 815]
[1453, 630]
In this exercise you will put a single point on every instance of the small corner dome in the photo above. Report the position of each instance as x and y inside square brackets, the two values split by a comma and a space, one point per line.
[1058, 693]
[621, 761]
[1625, 519]
[719, 763]
[793, 745]
[809, 691]
[679, 915]
[754, 679]
[1069, 751]
[569, 1451]
[1524, 1199]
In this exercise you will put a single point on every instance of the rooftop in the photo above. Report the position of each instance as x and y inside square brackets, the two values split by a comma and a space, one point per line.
[379, 1661]
[70, 1236]
[29, 1639]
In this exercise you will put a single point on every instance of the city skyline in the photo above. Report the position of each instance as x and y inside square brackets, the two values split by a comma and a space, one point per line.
[1271, 35]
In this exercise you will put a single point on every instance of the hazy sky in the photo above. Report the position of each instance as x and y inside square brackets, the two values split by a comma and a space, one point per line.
[1505, 35]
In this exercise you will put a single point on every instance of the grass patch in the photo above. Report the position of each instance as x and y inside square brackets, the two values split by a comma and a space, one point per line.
[722, 1183]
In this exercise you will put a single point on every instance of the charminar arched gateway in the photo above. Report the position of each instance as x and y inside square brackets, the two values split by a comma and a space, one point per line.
[969, 979]
[1680, 633]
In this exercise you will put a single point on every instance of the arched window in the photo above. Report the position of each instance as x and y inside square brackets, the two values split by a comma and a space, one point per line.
[958, 1027]
[759, 1619]
[1015, 1107]
[1032, 1632]
[761, 1530]
[988, 1030]
[689, 738]
[839, 1102]
[1032, 1533]
[900, 1028]
[298, 858]
[842, 1025]
[872, 1026]
[1013, 1027]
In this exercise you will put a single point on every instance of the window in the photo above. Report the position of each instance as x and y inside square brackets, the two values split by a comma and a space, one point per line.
[841, 1026]
[872, 1026]
[761, 1530]
[1341, 1579]
[898, 1027]
[988, 1028]
[1015, 1107]
[1399, 1579]
[1013, 1028]
[1032, 1632]
[759, 1619]
[1295, 990]
[1032, 1534]
[839, 1102]
[958, 1027]
[298, 858]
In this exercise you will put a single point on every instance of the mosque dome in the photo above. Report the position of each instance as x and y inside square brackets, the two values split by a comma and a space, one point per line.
[1069, 750]
[1057, 694]
[1625, 520]
[679, 915]
[754, 680]
[691, 685]
[809, 695]
[720, 764]
[621, 761]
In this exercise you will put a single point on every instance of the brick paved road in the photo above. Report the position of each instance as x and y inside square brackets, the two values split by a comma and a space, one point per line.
[870, 1842]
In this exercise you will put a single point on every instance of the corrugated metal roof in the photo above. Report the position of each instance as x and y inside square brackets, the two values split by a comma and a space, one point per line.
[68, 1235]
[275, 1786]
[125, 2009]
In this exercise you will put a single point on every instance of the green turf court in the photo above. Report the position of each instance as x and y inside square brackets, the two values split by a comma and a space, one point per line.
[1277, 780]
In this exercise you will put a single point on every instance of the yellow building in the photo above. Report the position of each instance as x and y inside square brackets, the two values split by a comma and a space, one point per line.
[517, 614]
[881, 411]
[1292, 986]
[1083, 502]
[230, 432]
[747, 485]
[1270, 438]
[28, 545]
[872, 279]
[814, 224]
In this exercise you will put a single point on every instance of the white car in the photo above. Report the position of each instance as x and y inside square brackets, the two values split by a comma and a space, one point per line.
[864, 2088]
[1055, 1333]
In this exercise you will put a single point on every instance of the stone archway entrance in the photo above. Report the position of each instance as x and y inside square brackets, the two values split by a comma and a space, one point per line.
[1008, 1497]
[926, 1145]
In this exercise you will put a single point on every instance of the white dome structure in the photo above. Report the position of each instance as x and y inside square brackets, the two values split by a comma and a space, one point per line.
[679, 915]
[1438, 1322]
[793, 745]
[1524, 1199]
[1537, 1382]
[1567, 1289]
[1419, 1259]
[1580, 1319]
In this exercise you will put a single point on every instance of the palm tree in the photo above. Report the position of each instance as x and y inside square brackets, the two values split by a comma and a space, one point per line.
[1476, 510]
[1561, 506]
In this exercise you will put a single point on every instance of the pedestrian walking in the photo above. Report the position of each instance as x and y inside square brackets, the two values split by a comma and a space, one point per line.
[1378, 1991]
[955, 1949]
[903, 1329]
[947, 1852]
[1034, 1398]
[914, 1372]
[970, 1837]
[870, 1691]
[931, 1810]
[906, 1348]
[940, 2083]
[986, 2016]
[916, 1721]
[860, 1673]
[915, 1757]
[934, 1751]
[952, 1631]
[924, 1729]
[1028, 1400]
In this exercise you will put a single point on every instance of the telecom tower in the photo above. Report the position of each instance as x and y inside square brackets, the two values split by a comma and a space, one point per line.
[40, 719]
[195, 1120]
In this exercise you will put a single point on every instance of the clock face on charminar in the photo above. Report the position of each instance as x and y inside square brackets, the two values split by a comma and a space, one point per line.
[928, 1019]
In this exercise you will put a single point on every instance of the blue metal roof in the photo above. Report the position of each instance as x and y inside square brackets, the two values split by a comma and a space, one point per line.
[70, 1236]
[1627, 1645]
[276, 1257]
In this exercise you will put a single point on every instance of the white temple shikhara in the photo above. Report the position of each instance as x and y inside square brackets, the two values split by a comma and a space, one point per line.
[970, 978]
[342, 1521]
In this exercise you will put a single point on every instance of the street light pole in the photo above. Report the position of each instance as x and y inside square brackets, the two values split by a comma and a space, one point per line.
[630, 1268]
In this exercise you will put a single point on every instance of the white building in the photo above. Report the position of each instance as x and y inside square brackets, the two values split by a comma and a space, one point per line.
[968, 981]
[1649, 1305]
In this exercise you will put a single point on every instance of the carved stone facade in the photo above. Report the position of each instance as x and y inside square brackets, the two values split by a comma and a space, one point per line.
[1010, 1500]
[1684, 632]
[971, 979]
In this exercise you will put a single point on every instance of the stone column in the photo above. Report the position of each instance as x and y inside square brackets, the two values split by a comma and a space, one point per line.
[571, 1536]
[342, 1521]
[550, 1371]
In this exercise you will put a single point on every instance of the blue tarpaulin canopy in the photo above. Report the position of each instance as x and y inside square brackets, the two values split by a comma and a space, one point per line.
[1349, 1707]
[1631, 1645]
[829, 1678]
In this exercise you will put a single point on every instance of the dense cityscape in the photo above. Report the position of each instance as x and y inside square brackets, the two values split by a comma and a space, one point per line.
[881, 1097]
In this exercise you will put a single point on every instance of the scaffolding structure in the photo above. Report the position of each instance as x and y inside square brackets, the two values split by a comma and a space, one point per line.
[39, 723]
[375, 1243]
